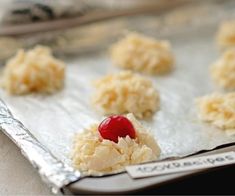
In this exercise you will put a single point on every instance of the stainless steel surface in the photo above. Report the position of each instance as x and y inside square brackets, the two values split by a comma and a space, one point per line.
[53, 120]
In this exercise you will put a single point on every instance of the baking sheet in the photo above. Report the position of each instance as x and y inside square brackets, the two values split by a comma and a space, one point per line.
[54, 119]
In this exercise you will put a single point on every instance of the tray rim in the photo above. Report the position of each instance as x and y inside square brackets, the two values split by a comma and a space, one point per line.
[75, 187]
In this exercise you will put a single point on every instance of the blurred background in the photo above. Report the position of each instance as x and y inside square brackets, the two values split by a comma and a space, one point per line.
[68, 26]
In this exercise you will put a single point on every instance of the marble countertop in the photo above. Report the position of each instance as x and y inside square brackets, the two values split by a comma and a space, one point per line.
[17, 175]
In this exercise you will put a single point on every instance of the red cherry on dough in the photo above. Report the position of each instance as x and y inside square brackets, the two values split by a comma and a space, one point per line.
[116, 126]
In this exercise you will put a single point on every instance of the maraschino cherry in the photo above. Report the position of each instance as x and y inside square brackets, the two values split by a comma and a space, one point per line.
[116, 126]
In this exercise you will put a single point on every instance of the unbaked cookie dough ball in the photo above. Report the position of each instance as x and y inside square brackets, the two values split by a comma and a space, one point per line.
[218, 109]
[223, 70]
[35, 70]
[126, 92]
[226, 34]
[93, 154]
[142, 54]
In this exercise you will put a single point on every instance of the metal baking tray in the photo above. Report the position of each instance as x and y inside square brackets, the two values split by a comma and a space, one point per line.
[43, 126]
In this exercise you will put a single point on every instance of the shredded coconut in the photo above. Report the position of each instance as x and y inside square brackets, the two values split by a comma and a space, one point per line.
[126, 92]
[226, 34]
[218, 109]
[33, 71]
[93, 155]
[140, 53]
[223, 70]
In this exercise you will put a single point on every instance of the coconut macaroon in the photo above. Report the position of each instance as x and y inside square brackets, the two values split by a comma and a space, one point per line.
[226, 34]
[143, 54]
[93, 154]
[35, 70]
[218, 109]
[126, 92]
[223, 70]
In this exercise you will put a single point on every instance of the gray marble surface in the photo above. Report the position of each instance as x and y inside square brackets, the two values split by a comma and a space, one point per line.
[17, 175]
